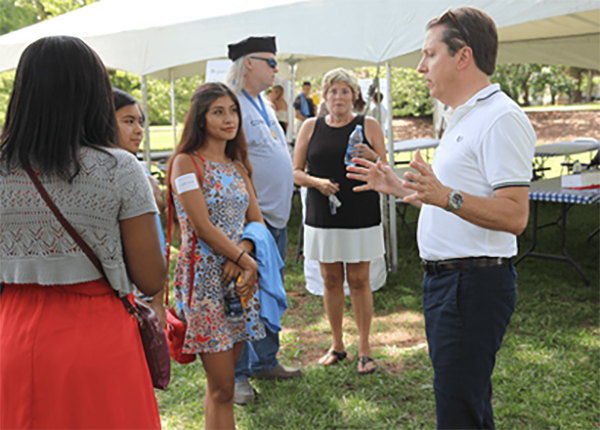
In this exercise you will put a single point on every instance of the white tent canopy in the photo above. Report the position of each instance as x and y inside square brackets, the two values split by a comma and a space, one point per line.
[175, 38]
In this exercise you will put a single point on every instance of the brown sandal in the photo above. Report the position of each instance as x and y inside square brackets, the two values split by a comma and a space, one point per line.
[362, 362]
[337, 357]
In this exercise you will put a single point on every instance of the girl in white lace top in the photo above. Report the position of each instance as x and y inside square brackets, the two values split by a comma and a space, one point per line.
[71, 355]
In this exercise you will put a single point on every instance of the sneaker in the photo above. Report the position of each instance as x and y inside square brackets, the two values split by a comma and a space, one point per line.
[280, 372]
[243, 392]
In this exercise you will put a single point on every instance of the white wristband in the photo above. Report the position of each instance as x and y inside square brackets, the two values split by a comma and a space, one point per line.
[186, 183]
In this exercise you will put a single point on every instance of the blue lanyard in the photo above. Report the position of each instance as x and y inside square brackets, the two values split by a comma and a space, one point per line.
[263, 111]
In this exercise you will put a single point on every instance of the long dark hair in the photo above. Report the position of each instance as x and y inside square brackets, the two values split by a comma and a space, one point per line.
[61, 101]
[194, 132]
[122, 99]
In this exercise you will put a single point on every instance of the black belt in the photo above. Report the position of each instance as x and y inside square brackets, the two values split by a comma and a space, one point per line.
[436, 267]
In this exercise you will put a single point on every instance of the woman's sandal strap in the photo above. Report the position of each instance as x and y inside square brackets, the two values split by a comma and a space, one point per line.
[363, 361]
[338, 356]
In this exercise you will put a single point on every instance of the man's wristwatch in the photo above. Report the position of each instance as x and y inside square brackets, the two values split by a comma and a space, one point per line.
[455, 201]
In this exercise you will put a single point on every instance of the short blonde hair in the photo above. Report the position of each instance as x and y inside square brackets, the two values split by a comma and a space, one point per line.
[340, 75]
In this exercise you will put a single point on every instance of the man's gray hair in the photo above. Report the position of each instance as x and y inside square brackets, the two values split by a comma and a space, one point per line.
[236, 74]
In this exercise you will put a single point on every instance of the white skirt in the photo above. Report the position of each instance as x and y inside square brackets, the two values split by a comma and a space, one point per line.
[315, 284]
[331, 245]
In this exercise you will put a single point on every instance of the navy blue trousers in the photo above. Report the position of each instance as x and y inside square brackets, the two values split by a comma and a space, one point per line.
[466, 315]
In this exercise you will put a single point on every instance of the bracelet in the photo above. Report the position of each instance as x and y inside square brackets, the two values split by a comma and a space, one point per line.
[238, 259]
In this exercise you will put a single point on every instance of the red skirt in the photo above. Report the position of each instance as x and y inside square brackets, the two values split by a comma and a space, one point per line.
[71, 357]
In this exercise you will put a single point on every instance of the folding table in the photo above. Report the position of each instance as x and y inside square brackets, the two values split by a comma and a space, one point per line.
[550, 190]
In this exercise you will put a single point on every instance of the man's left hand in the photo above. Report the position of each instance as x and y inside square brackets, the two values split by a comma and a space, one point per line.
[429, 189]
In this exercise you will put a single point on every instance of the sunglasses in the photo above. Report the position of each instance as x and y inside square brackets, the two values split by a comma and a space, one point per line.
[270, 61]
[454, 20]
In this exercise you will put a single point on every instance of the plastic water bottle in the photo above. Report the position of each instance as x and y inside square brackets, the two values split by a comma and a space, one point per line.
[233, 303]
[356, 137]
[576, 167]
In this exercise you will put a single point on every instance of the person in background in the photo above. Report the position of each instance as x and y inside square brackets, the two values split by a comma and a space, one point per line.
[277, 99]
[71, 355]
[211, 179]
[359, 104]
[323, 109]
[474, 201]
[253, 71]
[379, 111]
[316, 101]
[352, 234]
[304, 105]
[130, 121]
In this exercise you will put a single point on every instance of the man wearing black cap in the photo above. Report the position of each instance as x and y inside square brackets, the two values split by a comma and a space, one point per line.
[253, 71]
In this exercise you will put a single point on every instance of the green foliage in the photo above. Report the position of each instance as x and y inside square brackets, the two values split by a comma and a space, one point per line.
[46, 9]
[556, 78]
[13, 16]
[513, 79]
[159, 94]
[6, 85]
[410, 95]
[526, 82]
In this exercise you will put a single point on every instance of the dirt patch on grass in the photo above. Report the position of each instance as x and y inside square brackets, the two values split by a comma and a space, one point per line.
[566, 125]
[551, 126]
[391, 333]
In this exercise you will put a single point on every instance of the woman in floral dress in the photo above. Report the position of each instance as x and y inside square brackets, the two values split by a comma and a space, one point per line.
[212, 193]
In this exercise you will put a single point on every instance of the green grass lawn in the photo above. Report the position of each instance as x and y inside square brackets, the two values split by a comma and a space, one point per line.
[546, 374]
[161, 137]
[583, 106]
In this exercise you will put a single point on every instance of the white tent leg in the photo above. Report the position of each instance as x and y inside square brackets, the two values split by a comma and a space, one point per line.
[147, 157]
[173, 119]
[393, 257]
[291, 116]
[292, 62]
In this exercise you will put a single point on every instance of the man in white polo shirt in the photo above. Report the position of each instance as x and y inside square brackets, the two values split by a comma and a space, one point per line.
[474, 201]
[253, 71]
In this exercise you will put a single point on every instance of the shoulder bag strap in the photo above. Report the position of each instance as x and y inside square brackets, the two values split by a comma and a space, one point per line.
[76, 237]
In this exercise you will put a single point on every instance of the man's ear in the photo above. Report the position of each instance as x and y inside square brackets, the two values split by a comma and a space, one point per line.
[464, 57]
[248, 63]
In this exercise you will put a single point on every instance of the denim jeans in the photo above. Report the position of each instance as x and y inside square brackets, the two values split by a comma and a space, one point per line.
[261, 355]
[466, 315]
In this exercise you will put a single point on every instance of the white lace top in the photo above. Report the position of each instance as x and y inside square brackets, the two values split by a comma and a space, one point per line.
[34, 247]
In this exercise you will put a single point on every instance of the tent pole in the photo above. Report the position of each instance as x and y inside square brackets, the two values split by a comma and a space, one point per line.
[393, 256]
[147, 157]
[292, 61]
[291, 115]
[173, 119]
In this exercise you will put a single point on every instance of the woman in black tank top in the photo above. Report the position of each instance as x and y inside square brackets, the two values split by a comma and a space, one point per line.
[349, 234]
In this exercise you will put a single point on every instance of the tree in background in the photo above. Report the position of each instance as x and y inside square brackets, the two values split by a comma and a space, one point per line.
[159, 94]
[556, 79]
[13, 17]
[514, 80]
[16, 14]
[410, 95]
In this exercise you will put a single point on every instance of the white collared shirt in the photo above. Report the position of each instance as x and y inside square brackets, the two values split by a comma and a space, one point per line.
[488, 144]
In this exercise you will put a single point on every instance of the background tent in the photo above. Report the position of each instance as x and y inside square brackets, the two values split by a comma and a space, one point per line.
[175, 38]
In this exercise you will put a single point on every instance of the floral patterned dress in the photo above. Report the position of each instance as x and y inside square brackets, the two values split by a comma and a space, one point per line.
[209, 330]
